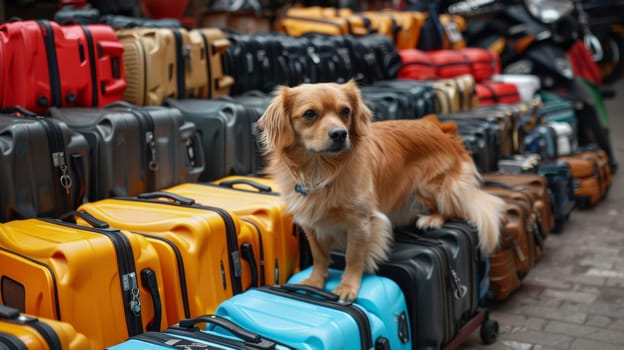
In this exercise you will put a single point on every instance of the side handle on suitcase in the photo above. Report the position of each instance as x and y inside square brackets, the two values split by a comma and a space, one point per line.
[236, 330]
[258, 186]
[193, 146]
[248, 255]
[220, 46]
[167, 195]
[148, 279]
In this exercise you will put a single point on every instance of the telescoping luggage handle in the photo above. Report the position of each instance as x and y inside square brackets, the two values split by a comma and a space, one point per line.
[253, 339]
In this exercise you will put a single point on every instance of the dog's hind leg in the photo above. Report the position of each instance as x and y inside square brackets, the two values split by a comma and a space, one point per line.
[320, 257]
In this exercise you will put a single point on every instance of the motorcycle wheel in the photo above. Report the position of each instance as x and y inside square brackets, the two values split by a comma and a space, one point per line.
[612, 68]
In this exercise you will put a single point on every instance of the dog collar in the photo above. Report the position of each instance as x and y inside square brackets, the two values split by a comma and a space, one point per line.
[304, 191]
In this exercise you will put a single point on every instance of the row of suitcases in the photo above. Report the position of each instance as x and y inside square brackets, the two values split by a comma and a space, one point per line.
[123, 266]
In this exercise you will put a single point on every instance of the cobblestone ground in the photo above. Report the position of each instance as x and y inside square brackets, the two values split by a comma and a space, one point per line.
[574, 297]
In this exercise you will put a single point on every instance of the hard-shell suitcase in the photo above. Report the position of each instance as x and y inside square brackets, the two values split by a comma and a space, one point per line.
[408, 26]
[43, 167]
[419, 95]
[377, 319]
[150, 64]
[491, 92]
[191, 64]
[483, 63]
[448, 99]
[202, 248]
[504, 278]
[125, 22]
[228, 135]
[257, 203]
[417, 65]
[561, 185]
[449, 63]
[186, 335]
[298, 26]
[104, 54]
[20, 331]
[454, 26]
[135, 149]
[213, 45]
[102, 281]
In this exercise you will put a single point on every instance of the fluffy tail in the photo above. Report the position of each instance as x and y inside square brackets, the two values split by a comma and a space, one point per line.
[479, 207]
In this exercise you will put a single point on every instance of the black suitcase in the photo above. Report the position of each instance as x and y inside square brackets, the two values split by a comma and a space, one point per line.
[561, 186]
[228, 135]
[483, 137]
[393, 105]
[330, 59]
[420, 95]
[135, 149]
[437, 272]
[43, 168]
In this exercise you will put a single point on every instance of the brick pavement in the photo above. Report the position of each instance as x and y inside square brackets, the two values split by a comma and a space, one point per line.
[574, 297]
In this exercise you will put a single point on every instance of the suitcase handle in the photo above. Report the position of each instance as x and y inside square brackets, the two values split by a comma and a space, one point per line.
[148, 279]
[224, 323]
[258, 186]
[90, 219]
[309, 289]
[248, 255]
[18, 110]
[8, 313]
[168, 195]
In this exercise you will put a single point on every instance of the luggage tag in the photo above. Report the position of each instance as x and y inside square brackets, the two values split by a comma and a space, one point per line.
[453, 32]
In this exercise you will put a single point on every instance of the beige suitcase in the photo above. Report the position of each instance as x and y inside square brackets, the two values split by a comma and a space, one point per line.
[191, 65]
[213, 44]
[447, 96]
[150, 63]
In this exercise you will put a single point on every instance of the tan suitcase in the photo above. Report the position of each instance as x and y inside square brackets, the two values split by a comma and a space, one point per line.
[191, 64]
[150, 63]
[447, 99]
[214, 44]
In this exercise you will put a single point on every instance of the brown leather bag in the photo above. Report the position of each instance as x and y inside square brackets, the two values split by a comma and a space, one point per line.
[503, 275]
[590, 185]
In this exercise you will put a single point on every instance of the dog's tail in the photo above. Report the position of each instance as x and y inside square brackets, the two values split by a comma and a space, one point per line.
[479, 207]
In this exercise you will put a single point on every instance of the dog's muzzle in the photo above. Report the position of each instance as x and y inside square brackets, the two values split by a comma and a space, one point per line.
[339, 141]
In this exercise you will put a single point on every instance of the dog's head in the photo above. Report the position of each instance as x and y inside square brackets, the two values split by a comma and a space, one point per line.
[324, 118]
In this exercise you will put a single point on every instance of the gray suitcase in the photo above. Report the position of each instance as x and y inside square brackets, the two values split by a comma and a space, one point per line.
[228, 135]
[136, 149]
[43, 168]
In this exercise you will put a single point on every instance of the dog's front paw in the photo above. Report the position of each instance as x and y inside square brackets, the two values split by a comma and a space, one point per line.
[346, 292]
[314, 282]
[430, 221]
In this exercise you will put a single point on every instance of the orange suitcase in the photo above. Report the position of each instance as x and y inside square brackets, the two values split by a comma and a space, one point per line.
[20, 331]
[255, 200]
[102, 281]
[201, 248]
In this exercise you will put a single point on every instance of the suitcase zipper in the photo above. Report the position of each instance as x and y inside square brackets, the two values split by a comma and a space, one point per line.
[127, 272]
[231, 237]
[208, 50]
[59, 162]
[53, 70]
[92, 59]
[366, 335]
[148, 139]
[181, 56]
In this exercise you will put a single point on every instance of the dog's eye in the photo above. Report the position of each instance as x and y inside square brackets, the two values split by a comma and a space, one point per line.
[345, 112]
[309, 115]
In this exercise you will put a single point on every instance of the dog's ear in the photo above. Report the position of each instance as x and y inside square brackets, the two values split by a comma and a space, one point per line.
[275, 126]
[361, 114]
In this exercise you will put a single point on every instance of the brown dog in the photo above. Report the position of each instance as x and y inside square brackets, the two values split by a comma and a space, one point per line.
[345, 179]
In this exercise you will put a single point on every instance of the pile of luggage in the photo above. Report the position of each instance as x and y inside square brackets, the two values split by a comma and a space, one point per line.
[133, 207]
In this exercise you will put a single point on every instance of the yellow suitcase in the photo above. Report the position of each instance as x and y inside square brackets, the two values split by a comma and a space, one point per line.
[453, 26]
[20, 331]
[150, 64]
[102, 281]
[409, 25]
[201, 248]
[256, 201]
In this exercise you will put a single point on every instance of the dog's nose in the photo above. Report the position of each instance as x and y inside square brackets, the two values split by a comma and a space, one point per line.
[338, 134]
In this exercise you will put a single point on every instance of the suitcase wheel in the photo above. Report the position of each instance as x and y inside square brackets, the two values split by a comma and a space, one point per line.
[489, 331]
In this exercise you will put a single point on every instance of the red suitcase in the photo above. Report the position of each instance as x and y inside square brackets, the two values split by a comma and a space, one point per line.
[449, 63]
[491, 92]
[483, 63]
[99, 44]
[417, 65]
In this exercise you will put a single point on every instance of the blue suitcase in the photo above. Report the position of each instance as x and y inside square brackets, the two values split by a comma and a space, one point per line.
[561, 186]
[309, 318]
[185, 335]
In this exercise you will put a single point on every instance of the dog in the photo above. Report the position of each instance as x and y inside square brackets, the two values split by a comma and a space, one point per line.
[348, 181]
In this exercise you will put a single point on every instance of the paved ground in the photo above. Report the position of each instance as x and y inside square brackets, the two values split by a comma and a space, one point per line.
[574, 297]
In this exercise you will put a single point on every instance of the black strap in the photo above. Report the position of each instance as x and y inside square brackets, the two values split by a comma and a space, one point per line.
[11, 342]
[172, 342]
[12, 315]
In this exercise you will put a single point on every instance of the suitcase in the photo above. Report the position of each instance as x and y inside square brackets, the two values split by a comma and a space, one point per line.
[417, 65]
[501, 120]
[377, 319]
[44, 167]
[454, 26]
[589, 182]
[409, 26]
[491, 92]
[537, 187]
[257, 203]
[19, 331]
[135, 149]
[528, 84]
[448, 99]
[119, 22]
[556, 109]
[102, 281]
[527, 163]
[561, 185]
[450, 63]
[483, 63]
[150, 64]
[213, 45]
[298, 26]
[542, 140]
[420, 96]
[503, 275]
[386, 56]
[481, 138]
[566, 140]
[436, 270]
[228, 136]
[319, 12]
[186, 335]
[592, 151]
[468, 95]
[49, 67]
[207, 253]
